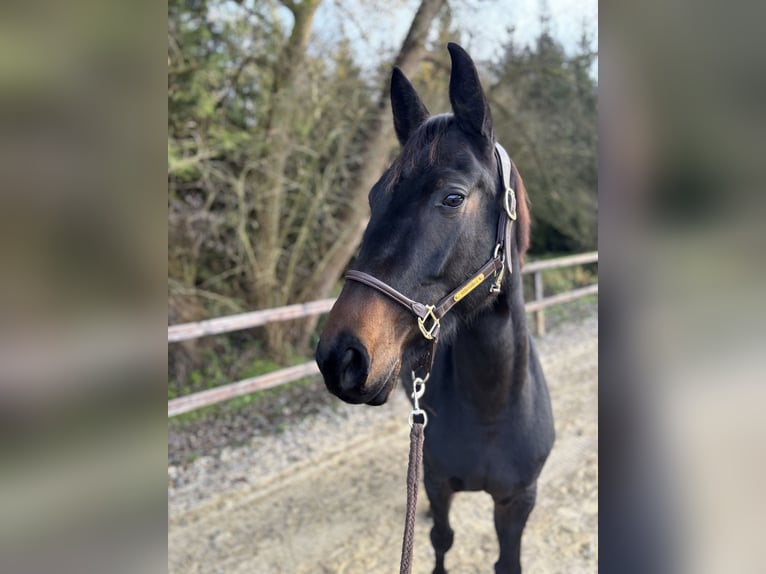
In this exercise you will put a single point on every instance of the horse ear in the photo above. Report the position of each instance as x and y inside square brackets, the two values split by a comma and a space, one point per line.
[467, 97]
[409, 111]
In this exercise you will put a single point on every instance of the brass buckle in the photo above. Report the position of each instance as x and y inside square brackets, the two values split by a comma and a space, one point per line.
[510, 209]
[428, 332]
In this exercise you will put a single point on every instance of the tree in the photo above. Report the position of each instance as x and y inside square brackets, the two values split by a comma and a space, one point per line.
[545, 104]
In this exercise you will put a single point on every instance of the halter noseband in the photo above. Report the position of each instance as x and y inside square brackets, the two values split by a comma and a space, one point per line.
[429, 316]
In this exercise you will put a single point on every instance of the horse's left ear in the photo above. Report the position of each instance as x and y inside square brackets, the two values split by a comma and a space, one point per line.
[467, 97]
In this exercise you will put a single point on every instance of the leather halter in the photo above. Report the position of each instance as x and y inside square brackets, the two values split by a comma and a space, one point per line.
[429, 316]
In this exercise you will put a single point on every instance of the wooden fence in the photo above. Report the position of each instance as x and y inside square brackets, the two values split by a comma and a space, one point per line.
[258, 318]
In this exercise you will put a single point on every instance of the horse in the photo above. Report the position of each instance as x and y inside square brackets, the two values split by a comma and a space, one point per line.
[445, 208]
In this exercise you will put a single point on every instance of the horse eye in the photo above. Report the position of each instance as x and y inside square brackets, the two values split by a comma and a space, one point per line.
[453, 200]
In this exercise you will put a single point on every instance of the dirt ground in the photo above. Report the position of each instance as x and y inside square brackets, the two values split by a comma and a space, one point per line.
[329, 496]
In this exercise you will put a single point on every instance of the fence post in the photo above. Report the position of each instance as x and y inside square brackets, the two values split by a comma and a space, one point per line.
[540, 313]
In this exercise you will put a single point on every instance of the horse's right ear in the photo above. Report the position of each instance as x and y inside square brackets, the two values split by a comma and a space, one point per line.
[409, 111]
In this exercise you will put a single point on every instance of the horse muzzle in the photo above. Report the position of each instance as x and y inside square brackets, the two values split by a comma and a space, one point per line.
[345, 365]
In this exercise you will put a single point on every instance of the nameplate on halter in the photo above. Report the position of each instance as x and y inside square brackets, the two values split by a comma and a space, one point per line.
[473, 284]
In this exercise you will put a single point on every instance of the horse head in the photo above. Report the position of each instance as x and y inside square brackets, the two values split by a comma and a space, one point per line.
[434, 213]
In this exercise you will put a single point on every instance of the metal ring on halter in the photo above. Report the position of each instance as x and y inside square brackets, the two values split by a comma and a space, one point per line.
[414, 413]
[510, 209]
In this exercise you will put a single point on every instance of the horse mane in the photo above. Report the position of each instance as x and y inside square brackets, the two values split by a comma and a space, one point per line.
[523, 220]
[428, 136]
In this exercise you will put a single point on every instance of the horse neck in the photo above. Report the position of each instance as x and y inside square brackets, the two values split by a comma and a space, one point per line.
[491, 350]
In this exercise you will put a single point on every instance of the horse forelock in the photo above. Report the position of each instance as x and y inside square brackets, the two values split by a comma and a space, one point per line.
[428, 135]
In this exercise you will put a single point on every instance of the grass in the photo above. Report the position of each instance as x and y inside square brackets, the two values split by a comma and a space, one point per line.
[576, 310]
[224, 365]
[266, 397]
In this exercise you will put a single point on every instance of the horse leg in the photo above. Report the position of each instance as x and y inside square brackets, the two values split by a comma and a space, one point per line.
[511, 515]
[440, 498]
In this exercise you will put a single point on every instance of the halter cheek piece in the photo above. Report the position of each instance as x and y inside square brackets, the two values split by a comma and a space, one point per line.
[429, 316]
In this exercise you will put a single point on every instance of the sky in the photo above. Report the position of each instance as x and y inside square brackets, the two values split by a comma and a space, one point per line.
[379, 26]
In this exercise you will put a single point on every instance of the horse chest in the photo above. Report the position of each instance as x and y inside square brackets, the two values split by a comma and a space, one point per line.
[471, 454]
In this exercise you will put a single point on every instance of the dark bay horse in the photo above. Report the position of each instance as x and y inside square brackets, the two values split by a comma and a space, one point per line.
[442, 230]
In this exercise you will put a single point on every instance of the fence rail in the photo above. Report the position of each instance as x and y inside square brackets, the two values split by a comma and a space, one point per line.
[245, 387]
[566, 261]
[242, 321]
[233, 323]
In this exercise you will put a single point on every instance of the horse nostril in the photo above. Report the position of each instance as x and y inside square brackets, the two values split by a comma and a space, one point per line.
[353, 368]
[348, 358]
[345, 365]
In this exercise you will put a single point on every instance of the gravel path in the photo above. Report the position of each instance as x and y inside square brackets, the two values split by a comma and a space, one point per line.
[328, 493]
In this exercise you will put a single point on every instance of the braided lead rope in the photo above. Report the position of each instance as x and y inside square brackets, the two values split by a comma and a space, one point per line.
[413, 468]
[413, 480]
